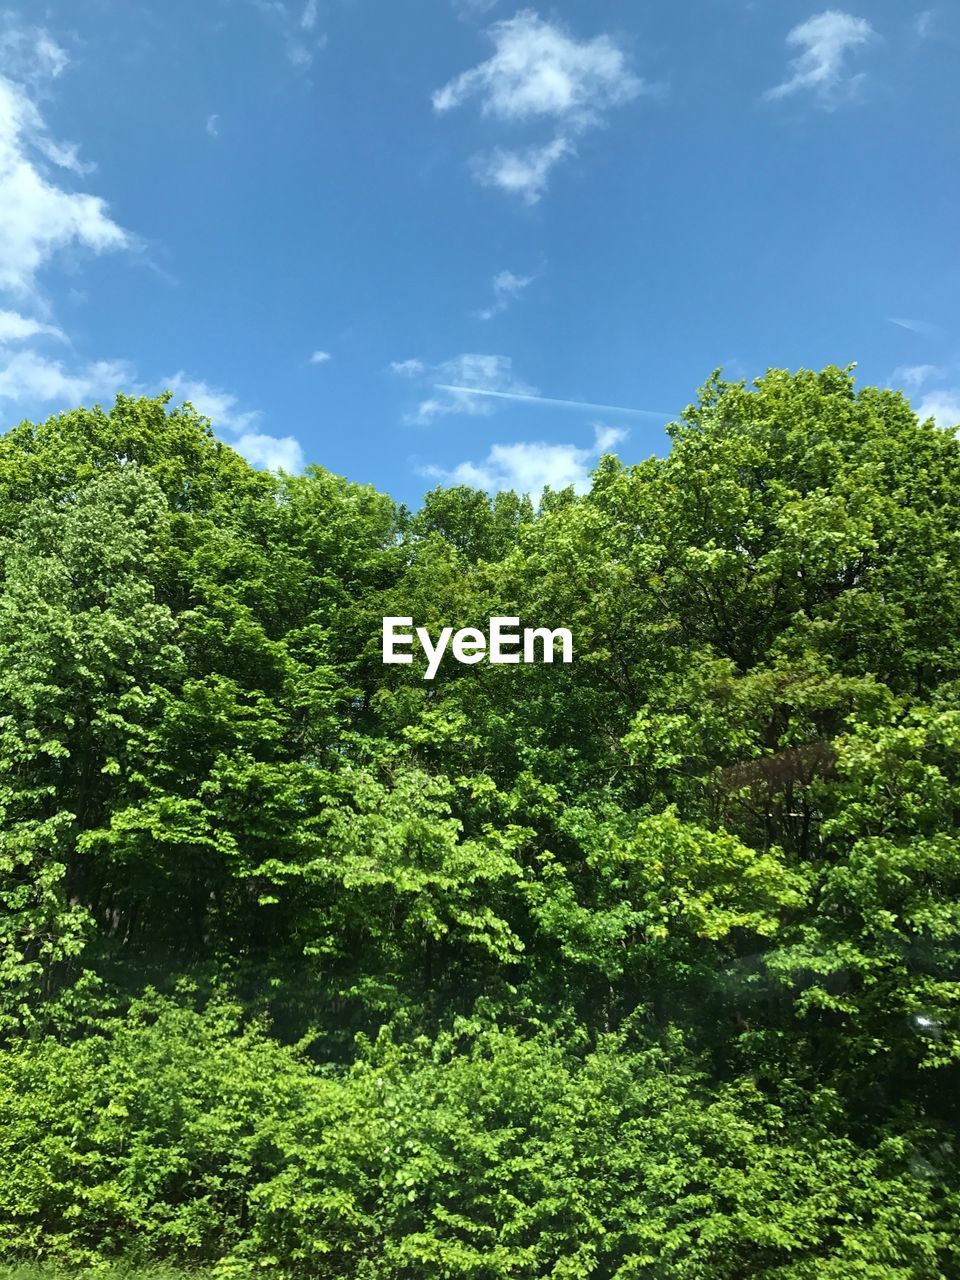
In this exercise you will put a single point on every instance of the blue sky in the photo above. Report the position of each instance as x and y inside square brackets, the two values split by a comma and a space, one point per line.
[396, 238]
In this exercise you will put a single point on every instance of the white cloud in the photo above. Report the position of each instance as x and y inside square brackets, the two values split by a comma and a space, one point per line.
[308, 19]
[507, 288]
[212, 125]
[540, 73]
[923, 23]
[52, 59]
[506, 284]
[470, 9]
[31, 55]
[17, 328]
[825, 42]
[296, 27]
[913, 376]
[537, 70]
[523, 173]
[27, 377]
[407, 368]
[30, 379]
[528, 397]
[473, 8]
[607, 438]
[320, 357]
[470, 372]
[922, 327]
[475, 370]
[214, 403]
[941, 405]
[528, 466]
[221, 407]
[275, 453]
[38, 217]
[66, 155]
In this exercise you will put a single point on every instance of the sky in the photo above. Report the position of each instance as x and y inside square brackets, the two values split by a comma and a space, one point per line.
[460, 241]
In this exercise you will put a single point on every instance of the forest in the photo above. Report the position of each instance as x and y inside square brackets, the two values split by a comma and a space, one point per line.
[644, 966]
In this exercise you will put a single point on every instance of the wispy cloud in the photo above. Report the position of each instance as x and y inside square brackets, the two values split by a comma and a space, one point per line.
[27, 377]
[17, 328]
[537, 70]
[921, 327]
[308, 18]
[923, 23]
[942, 405]
[456, 383]
[41, 216]
[30, 54]
[539, 73]
[473, 383]
[474, 8]
[320, 357]
[524, 173]
[552, 401]
[272, 453]
[933, 391]
[407, 368]
[31, 379]
[38, 216]
[297, 28]
[826, 43]
[222, 408]
[212, 125]
[212, 402]
[529, 466]
[914, 376]
[507, 288]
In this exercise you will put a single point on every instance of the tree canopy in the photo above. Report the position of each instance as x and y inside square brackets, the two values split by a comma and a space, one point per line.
[647, 966]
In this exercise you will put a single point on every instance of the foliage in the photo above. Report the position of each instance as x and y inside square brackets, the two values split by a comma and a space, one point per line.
[482, 1152]
[643, 967]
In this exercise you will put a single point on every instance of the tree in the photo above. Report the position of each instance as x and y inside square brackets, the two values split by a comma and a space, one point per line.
[642, 966]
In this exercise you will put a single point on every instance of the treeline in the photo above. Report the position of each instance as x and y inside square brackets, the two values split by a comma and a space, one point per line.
[645, 967]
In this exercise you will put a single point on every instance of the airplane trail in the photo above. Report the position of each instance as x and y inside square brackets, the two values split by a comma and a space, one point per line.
[576, 404]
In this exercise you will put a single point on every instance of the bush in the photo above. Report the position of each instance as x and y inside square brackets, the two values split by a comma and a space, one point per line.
[188, 1136]
[145, 1140]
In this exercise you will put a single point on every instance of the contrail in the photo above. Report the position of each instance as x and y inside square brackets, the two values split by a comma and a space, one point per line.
[568, 404]
[922, 327]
